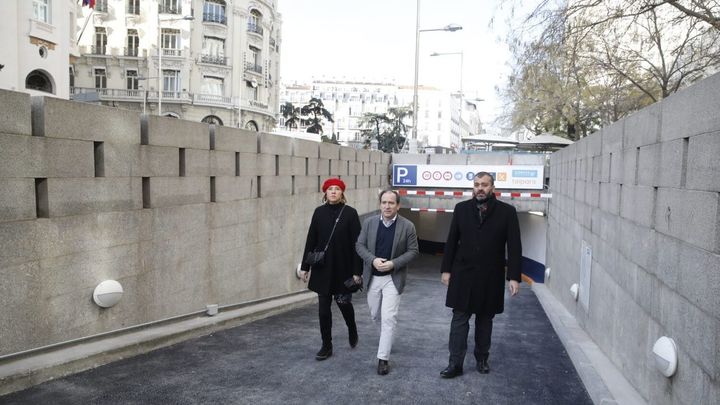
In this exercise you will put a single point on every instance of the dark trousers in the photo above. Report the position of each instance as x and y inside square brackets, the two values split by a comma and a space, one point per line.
[346, 308]
[459, 328]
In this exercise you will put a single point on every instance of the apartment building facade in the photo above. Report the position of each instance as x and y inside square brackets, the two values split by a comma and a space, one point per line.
[214, 61]
[439, 111]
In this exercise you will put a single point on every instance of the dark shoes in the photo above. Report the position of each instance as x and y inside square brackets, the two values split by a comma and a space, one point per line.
[483, 367]
[383, 367]
[324, 353]
[451, 372]
[353, 337]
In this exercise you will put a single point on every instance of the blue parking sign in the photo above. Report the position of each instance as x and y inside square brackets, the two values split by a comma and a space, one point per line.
[404, 175]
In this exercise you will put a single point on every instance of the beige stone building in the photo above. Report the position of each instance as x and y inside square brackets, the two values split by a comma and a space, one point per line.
[218, 60]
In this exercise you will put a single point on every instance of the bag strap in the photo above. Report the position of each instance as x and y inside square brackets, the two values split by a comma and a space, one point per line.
[333, 230]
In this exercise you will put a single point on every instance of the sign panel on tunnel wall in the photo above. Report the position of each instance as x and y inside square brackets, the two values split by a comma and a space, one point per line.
[461, 176]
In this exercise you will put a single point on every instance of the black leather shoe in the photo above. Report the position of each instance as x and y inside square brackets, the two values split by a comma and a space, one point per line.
[451, 372]
[353, 337]
[324, 353]
[483, 367]
[383, 367]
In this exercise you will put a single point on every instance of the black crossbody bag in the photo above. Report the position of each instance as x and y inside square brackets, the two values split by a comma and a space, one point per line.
[317, 257]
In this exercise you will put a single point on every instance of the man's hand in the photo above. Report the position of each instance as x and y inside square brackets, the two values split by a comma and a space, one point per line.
[445, 278]
[514, 287]
[357, 279]
[304, 275]
[383, 265]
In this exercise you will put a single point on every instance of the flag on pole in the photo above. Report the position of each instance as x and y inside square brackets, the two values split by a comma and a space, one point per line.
[90, 3]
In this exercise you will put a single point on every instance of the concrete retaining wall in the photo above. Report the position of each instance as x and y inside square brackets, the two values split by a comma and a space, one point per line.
[180, 213]
[644, 194]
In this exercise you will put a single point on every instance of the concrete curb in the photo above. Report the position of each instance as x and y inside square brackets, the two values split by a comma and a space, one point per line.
[603, 381]
[25, 372]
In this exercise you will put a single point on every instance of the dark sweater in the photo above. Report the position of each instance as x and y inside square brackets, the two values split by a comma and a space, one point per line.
[383, 245]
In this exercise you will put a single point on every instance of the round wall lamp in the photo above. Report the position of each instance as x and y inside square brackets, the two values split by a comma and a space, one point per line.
[665, 352]
[574, 291]
[107, 293]
[547, 274]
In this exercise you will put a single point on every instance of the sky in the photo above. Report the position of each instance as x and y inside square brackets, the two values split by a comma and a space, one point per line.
[374, 40]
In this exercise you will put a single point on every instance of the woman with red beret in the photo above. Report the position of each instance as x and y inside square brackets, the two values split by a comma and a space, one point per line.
[340, 262]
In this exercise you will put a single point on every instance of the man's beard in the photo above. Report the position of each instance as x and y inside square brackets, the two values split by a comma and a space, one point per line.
[482, 199]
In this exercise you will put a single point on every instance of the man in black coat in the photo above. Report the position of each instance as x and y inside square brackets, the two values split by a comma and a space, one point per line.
[473, 268]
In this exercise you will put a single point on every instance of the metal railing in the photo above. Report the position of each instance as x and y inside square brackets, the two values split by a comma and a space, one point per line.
[214, 17]
[171, 52]
[131, 51]
[168, 10]
[255, 28]
[252, 67]
[98, 50]
[213, 59]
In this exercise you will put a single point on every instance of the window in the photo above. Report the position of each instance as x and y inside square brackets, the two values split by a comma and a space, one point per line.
[213, 50]
[101, 6]
[439, 114]
[169, 7]
[212, 85]
[171, 80]
[214, 11]
[132, 79]
[100, 79]
[41, 10]
[133, 7]
[39, 80]
[212, 119]
[133, 42]
[252, 126]
[100, 41]
[72, 77]
[254, 60]
[170, 38]
[255, 22]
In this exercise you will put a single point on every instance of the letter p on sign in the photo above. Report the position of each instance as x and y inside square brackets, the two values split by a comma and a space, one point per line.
[404, 175]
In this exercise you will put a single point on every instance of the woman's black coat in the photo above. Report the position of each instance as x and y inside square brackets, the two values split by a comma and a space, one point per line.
[475, 256]
[341, 260]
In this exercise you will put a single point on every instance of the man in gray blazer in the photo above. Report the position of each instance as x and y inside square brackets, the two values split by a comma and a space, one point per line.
[387, 243]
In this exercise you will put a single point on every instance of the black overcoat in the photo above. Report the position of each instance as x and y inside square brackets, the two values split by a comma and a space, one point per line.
[341, 260]
[475, 256]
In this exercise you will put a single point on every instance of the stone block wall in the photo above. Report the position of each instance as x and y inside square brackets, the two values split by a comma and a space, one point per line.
[181, 213]
[644, 194]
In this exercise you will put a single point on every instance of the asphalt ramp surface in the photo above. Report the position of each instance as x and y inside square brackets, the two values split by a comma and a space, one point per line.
[272, 361]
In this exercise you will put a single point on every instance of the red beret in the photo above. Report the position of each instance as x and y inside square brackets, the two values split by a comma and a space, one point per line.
[333, 182]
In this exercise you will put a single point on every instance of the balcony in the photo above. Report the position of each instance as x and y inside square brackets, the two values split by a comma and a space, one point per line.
[213, 59]
[97, 50]
[177, 53]
[255, 28]
[131, 52]
[104, 94]
[215, 18]
[213, 100]
[109, 94]
[253, 67]
[168, 9]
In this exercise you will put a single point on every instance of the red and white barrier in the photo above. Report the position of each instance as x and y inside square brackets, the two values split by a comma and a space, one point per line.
[452, 193]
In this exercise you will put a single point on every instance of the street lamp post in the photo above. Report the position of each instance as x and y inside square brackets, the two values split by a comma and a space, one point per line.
[412, 147]
[460, 119]
[160, 52]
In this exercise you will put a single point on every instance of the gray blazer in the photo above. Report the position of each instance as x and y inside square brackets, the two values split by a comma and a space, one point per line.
[404, 249]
